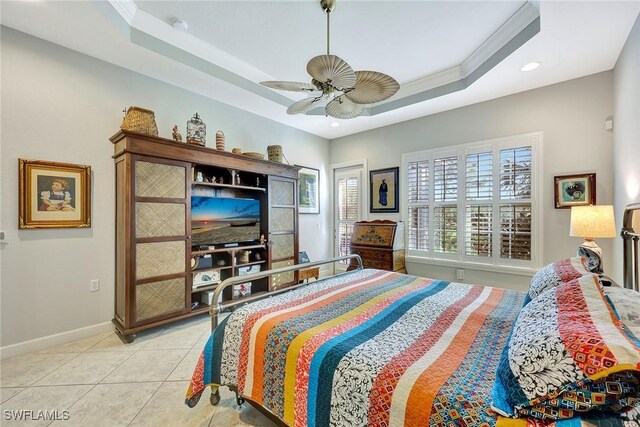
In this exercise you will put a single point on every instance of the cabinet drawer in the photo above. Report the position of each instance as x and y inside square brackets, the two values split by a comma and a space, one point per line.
[375, 263]
[374, 255]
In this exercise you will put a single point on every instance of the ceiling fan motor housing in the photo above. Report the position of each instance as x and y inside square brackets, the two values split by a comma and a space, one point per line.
[328, 5]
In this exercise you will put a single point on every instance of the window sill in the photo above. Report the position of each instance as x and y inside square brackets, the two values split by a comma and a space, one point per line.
[520, 271]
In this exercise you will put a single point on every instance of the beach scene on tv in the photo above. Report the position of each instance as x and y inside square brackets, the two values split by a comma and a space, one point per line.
[219, 220]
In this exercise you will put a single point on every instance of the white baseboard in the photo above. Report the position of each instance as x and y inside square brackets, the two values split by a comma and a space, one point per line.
[37, 344]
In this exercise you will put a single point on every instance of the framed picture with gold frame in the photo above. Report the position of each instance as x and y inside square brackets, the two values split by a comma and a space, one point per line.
[54, 195]
[574, 190]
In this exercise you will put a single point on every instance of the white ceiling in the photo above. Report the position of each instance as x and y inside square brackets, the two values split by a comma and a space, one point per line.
[232, 45]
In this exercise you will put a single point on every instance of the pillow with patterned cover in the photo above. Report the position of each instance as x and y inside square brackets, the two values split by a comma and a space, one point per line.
[556, 273]
[568, 354]
[626, 304]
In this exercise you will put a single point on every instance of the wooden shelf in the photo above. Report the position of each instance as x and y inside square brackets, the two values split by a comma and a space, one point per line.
[205, 288]
[201, 308]
[214, 267]
[230, 249]
[246, 264]
[232, 186]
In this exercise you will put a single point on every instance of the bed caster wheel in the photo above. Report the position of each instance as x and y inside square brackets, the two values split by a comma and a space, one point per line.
[214, 399]
[193, 401]
[239, 400]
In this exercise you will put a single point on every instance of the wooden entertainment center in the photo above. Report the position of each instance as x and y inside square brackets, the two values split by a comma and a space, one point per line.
[158, 255]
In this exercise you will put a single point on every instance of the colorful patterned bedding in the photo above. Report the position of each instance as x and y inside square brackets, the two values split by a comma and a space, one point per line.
[368, 348]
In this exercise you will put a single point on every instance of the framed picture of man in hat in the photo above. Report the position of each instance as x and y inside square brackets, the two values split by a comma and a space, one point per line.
[574, 190]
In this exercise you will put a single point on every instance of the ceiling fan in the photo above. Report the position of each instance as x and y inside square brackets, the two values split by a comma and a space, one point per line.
[343, 92]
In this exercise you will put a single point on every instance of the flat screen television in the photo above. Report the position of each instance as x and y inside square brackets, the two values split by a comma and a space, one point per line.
[224, 220]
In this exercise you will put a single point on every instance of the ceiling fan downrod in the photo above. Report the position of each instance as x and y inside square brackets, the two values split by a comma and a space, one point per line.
[328, 6]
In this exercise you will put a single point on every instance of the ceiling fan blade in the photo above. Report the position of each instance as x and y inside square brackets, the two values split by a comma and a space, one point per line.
[292, 86]
[304, 105]
[331, 69]
[343, 108]
[372, 87]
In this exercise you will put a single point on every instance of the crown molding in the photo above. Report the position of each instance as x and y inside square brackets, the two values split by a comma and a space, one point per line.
[125, 8]
[154, 34]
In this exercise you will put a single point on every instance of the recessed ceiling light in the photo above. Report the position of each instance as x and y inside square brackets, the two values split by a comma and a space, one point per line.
[335, 124]
[530, 66]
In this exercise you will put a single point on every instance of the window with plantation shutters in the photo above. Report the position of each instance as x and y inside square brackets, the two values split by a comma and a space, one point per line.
[515, 203]
[348, 212]
[479, 204]
[474, 202]
[418, 196]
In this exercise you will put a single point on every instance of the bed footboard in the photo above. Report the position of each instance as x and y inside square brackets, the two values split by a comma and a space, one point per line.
[631, 237]
[216, 308]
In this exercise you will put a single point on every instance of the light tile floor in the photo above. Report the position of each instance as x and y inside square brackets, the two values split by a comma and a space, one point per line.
[101, 381]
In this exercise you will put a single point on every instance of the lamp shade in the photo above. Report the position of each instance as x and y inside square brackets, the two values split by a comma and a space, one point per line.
[592, 221]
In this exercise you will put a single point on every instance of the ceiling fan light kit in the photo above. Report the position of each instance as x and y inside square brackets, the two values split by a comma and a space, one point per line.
[343, 92]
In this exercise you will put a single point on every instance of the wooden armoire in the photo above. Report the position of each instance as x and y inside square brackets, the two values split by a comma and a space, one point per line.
[156, 259]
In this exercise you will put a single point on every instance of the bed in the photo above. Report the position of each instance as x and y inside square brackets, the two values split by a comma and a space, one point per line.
[372, 347]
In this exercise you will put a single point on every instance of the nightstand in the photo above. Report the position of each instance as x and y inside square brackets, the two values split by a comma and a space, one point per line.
[308, 274]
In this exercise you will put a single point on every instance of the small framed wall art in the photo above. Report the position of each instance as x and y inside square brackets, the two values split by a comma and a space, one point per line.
[384, 190]
[54, 195]
[308, 190]
[574, 190]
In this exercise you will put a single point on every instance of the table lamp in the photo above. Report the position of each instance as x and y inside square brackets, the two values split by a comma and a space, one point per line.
[592, 222]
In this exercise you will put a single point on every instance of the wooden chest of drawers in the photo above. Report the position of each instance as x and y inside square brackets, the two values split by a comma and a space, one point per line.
[380, 244]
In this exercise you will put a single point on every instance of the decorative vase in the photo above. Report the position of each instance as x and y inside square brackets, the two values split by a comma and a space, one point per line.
[196, 131]
[220, 140]
[275, 153]
[140, 120]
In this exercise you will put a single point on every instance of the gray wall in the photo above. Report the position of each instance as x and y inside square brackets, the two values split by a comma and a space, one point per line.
[59, 105]
[626, 86]
[571, 115]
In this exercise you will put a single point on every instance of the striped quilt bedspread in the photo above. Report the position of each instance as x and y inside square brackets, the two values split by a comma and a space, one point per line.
[367, 348]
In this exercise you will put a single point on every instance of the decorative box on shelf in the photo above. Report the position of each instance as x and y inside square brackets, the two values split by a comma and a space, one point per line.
[206, 297]
[380, 244]
[205, 278]
[244, 289]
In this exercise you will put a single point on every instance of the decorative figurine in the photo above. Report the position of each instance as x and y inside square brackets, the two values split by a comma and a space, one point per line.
[199, 177]
[176, 135]
[262, 239]
[213, 180]
[238, 180]
[237, 150]
[257, 181]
